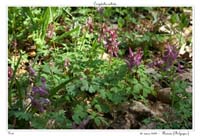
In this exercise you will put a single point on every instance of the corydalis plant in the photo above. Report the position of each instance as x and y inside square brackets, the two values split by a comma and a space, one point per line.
[134, 59]
[39, 103]
[157, 62]
[42, 91]
[39, 94]
[90, 25]
[38, 97]
[169, 56]
[109, 38]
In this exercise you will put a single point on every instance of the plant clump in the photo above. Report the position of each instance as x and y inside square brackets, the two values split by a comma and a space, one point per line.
[99, 68]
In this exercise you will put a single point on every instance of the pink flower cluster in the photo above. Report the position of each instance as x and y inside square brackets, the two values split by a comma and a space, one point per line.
[168, 58]
[109, 38]
[134, 59]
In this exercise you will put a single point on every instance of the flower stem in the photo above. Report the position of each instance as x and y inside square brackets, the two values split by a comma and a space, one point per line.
[12, 81]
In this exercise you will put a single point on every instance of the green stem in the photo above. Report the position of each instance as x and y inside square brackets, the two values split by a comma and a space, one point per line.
[12, 81]
[173, 95]
[60, 86]
[20, 97]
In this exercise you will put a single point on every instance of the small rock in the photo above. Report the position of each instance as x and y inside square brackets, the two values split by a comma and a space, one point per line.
[130, 114]
[164, 95]
[158, 108]
[186, 76]
[138, 107]
[124, 121]
[189, 89]
[151, 125]
[140, 110]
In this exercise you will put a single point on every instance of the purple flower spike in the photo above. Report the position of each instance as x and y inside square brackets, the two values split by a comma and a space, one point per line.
[138, 57]
[44, 100]
[170, 55]
[157, 63]
[37, 105]
[35, 90]
[108, 36]
[43, 80]
[130, 52]
[31, 71]
[39, 90]
[168, 59]
[43, 91]
[134, 59]
[90, 25]
[38, 96]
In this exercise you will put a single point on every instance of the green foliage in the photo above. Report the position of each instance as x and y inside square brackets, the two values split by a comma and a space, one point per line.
[98, 119]
[38, 122]
[80, 113]
[140, 85]
[182, 103]
[23, 115]
[82, 80]
[178, 92]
